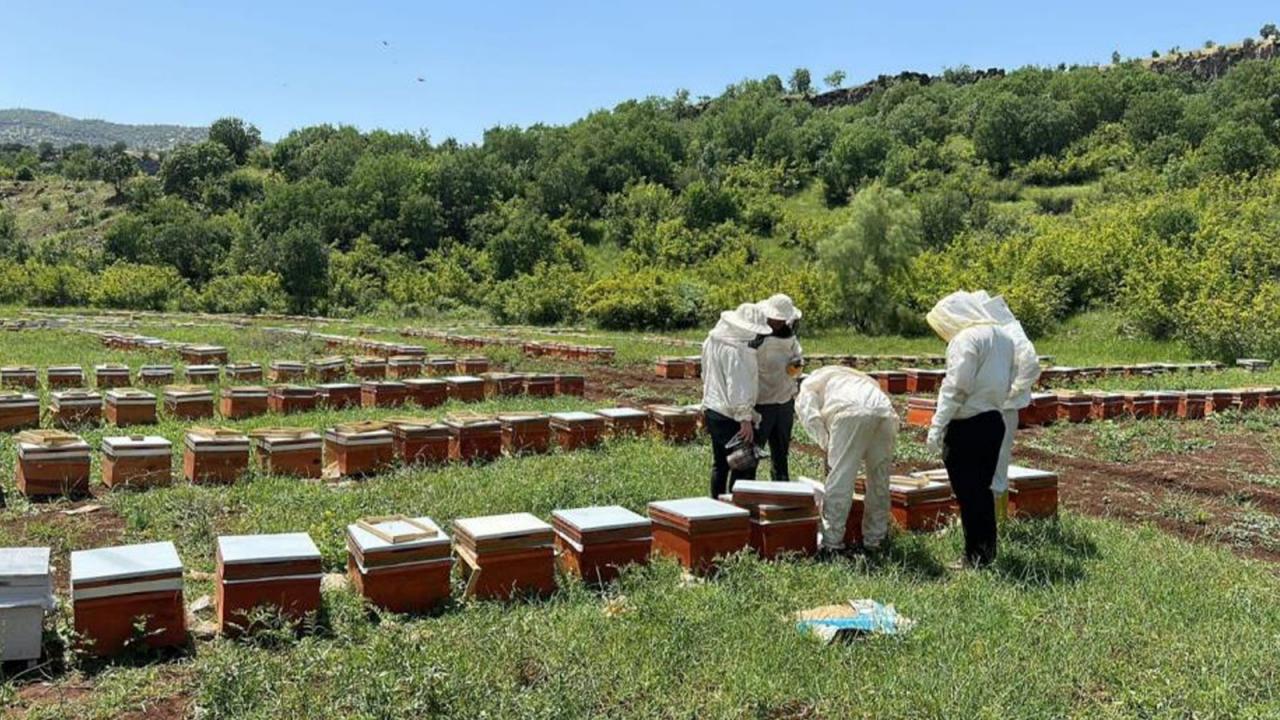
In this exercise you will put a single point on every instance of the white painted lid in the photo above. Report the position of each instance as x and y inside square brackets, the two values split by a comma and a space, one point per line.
[605, 517]
[699, 508]
[124, 562]
[775, 488]
[130, 394]
[499, 526]
[463, 379]
[1017, 472]
[622, 412]
[370, 543]
[281, 547]
[575, 416]
[126, 442]
[24, 565]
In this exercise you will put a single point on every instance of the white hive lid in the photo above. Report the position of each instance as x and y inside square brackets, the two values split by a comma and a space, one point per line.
[622, 412]
[605, 517]
[699, 508]
[24, 566]
[135, 442]
[463, 379]
[1017, 472]
[774, 488]
[575, 416]
[500, 526]
[370, 543]
[281, 547]
[125, 562]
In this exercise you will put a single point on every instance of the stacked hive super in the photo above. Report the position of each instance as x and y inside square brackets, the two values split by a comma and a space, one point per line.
[279, 574]
[506, 555]
[400, 564]
[26, 593]
[784, 516]
[920, 503]
[697, 530]
[595, 543]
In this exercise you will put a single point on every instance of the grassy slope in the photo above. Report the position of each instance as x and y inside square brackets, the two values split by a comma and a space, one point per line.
[48, 206]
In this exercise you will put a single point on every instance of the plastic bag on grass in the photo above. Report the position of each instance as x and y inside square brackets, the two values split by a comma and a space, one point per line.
[857, 618]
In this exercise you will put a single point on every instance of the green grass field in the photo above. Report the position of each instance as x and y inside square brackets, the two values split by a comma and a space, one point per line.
[1085, 617]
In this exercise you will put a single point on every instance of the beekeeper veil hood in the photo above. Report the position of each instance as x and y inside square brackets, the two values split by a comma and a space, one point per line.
[741, 325]
[958, 311]
[780, 307]
[999, 311]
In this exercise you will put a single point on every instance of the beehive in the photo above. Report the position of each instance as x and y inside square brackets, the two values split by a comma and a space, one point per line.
[1106, 405]
[338, 395]
[188, 402]
[525, 432]
[111, 375]
[1166, 404]
[921, 380]
[250, 372]
[214, 455]
[128, 406]
[577, 429]
[155, 374]
[19, 376]
[624, 421]
[502, 384]
[672, 368]
[369, 367]
[18, 410]
[1043, 410]
[278, 573]
[286, 371]
[419, 440]
[287, 399]
[506, 555]
[136, 461]
[383, 393]
[288, 451]
[404, 366]
[1248, 398]
[243, 401]
[115, 588]
[1074, 407]
[465, 388]
[400, 564]
[595, 543]
[1271, 398]
[693, 366]
[784, 516]
[204, 354]
[539, 385]
[26, 593]
[1140, 405]
[358, 449]
[674, 423]
[202, 374]
[427, 392]
[68, 408]
[441, 366]
[893, 382]
[1191, 406]
[920, 503]
[473, 365]
[51, 463]
[920, 411]
[1222, 401]
[1032, 493]
[571, 384]
[473, 437]
[853, 521]
[696, 531]
[64, 376]
[329, 369]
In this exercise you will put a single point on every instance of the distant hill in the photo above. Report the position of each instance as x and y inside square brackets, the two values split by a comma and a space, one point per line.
[30, 127]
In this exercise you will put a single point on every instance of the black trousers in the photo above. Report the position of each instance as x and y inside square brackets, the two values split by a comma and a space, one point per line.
[722, 429]
[776, 421]
[971, 450]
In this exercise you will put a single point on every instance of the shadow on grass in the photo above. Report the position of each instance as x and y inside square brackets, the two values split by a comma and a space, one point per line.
[1040, 553]
[910, 555]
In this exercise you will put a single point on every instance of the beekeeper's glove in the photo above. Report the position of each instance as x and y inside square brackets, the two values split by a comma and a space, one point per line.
[934, 442]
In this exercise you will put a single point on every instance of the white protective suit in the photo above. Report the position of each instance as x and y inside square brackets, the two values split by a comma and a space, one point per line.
[1026, 373]
[730, 370]
[850, 418]
[980, 362]
[776, 385]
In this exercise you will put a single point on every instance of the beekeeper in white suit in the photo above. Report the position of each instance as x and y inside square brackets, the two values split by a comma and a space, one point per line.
[730, 387]
[1026, 373]
[780, 362]
[852, 420]
[968, 426]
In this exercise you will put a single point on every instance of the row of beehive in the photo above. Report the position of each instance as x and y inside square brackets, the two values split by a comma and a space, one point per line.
[531, 348]
[403, 564]
[1086, 405]
[53, 463]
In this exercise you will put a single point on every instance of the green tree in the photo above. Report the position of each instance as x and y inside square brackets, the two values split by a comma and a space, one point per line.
[800, 82]
[835, 79]
[857, 154]
[1269, 31]
[1236, 147]
[517, 238]
[188, 167]
[237, 136]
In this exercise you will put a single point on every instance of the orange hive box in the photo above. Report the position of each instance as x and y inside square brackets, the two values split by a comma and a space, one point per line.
[675, 424]
[1166, 404]
[277, 573]
[383, 393]
[111, 375]
[595, 543]
[525, 432]
[427, 392]
[784, 516]
[1140, 405]
[473, 365]
[473, 437]
[622, 421]
[853, 523]
[893, 382]
[250, 372]
[369, 368]
[400, 564]
[921, 380]
[338, 395]
[404, 366]
[920, 411]
[465, 388]
[68, 408]
[1221, 401]
[18, 410]
[696, 531]
[1032, 493]
[416, 351]
[571, 384]
[1074, 407]
[672, 368]
[288, 451]
[127, 406]
[286, 371]
[1106, 405]
[419, 440]
[329, 369]
[1043, 410]
[203, 374]
[188, 402]
[1191, 404]
[64, 376]
[215, 455]
[693, 366]
[1249, 398]
[285, 399]
[506, 555]
[539, 385]
[155, 374]
[18, 376]
[204, 354]
[577, 429]
[502, 384]
[243, 401]
[51, 463]
[441, 366]
[358, 449]
[115, 588]
[136, 461]
[921, 502]
[1271, 398]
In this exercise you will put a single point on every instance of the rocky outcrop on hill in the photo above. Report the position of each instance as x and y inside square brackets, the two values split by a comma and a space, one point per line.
[858, 93]
[1213, 63]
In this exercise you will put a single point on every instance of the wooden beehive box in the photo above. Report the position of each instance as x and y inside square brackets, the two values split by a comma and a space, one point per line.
[279, 573]
[419, 441]
[539, 385]
[506, 555]
[404, 366]
[19, 376]
[204, 354]
[1043, 410]
[338, 395]
[1032, 493]
[329, 369]
[1191, 406]
[525, 432]
[922, 380]
[465, 388]
[1106, 405]
[18, 410]
[69, 408]
[1074, 407]
[64, 376]
[893, 382]
[26, 594]
[473, 437]
[571, 384]
[243, 401]
[136, 461]
[52, 463]
[129, 406]
[215, 455]
[696, 531]
[675, 423]
[577, 429]
[293, 452]
[368, 367]
[853, 521]
[427, 392]
[286, 399]
[115, 588]
[1166, 404]
[111, 375]
[1140, 405]
[358, 449]
[922, 502]
[672, 368]
[400, 564]
[383, 393]
[155, 374]
[784, 516]
[249, 372]
[1248, 398]
[473, 365]
[1221, 401]
[624, 421]
[920, 411]
[502, 384]
[202, 374]
[188, 402]
[286, 371]
[441, 366]
[595, 543]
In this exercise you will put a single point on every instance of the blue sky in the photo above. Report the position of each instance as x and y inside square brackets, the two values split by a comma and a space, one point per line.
[283, 64]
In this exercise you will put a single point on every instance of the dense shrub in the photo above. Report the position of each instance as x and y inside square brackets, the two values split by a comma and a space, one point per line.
[56, 285]
[547, 296]
[245, 294]
[140, 287]
[645, 299]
